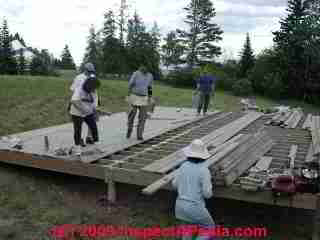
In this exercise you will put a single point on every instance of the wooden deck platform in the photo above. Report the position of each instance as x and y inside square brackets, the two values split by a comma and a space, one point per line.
[123, 160]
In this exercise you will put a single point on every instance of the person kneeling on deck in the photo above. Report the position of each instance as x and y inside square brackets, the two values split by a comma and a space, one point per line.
[193, 183]
[140, 93]
[83, 109]
[88, 70]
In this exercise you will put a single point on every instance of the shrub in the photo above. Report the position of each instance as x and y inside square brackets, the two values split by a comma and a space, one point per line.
[242, 87]
[182, 78]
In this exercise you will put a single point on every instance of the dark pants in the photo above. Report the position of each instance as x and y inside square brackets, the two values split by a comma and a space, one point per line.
[204, 102]
[77, 126]
[141, 122]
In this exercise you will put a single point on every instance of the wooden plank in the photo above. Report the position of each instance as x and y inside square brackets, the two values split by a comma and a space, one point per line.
[307, 122]
[157, 165]
[56, 165]
[292, 155]
[263, 164]
[233, 157]
[248, 161]
[309, 157]
[219, 153]
[216, 138]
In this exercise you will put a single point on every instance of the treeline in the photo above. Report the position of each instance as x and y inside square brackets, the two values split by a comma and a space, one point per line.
[290, 69]
[123, 44]
[28, 60]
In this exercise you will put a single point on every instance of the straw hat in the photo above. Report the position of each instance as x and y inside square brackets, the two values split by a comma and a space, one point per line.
[197, 149]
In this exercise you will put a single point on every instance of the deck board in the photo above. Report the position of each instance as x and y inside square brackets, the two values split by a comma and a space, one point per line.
[112, 132]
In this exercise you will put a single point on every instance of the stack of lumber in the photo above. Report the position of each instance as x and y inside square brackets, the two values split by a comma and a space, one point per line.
[307, 123]
[217, 154]
[315, 133]
[237, 162]
[228, 161]
[287, 119]
[294, 119]
[213, 139]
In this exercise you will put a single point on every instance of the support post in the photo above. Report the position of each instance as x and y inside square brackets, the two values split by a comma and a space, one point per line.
[111, 191]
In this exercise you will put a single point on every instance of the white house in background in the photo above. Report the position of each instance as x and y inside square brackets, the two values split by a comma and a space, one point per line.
[17, 46]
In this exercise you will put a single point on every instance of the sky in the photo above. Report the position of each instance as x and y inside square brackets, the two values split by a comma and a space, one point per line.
[47, 24]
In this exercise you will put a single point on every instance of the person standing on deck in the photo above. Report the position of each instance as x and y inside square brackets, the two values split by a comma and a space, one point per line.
[83, 108]
[205, 87]
[77, 82]
[140, 93]
[193, 183]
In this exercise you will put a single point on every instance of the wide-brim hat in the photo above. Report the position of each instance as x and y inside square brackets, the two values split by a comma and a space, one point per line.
[196, 149]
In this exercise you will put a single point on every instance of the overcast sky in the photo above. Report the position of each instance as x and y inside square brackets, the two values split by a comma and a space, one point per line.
[48, 24]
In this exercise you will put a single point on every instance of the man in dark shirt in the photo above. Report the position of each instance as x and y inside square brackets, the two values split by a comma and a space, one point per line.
[205, 86]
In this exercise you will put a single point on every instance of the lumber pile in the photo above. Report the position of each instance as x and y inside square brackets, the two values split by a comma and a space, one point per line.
[214, 139]
[229, 160]
[242, 158]
[288, 119]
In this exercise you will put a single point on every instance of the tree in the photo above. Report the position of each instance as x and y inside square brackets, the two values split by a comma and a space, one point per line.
[8, 64]
[199, 39]
[246, 58]
[66, 59]
[21, 62]
[172, 50]
[297, 44]
[91, 54]
[112, 59]
[142, 46]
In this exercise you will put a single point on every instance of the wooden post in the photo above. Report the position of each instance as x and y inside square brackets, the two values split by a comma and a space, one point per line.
[46, 143]
[111, 191]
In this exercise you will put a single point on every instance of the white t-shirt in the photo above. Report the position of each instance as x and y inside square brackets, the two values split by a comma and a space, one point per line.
[80, 95]
[78, 82]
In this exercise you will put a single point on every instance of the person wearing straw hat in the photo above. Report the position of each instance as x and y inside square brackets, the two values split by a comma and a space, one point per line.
[193, 184]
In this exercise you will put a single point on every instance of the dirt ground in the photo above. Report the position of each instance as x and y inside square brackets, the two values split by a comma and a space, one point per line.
[33, 201]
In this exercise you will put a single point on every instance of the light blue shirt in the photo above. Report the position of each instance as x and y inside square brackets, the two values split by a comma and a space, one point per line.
[193, 182]
[139, 83]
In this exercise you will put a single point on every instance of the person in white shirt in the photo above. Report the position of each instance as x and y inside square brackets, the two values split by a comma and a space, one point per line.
[83, 109]
[193, 183]
[77, 82]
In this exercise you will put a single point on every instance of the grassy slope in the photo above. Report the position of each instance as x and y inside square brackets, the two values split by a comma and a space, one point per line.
[31, 201]
[33, 102]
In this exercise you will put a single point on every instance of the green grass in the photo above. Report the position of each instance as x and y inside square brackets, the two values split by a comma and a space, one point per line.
[28, 102]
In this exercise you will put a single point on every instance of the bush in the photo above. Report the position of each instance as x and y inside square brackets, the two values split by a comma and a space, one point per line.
[182, 78]
[242, 87]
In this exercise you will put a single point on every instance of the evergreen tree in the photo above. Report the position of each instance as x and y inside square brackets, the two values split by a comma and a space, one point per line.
[91, 54]
[21, 62]
[66, 59]
[199, 39]
[8, 64]
[246, 58]
[297, 44]
[172, 50]
[111, 46]
[141, 46]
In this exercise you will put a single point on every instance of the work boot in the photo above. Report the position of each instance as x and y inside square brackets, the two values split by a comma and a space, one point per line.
[82, 143]
[89, 140]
